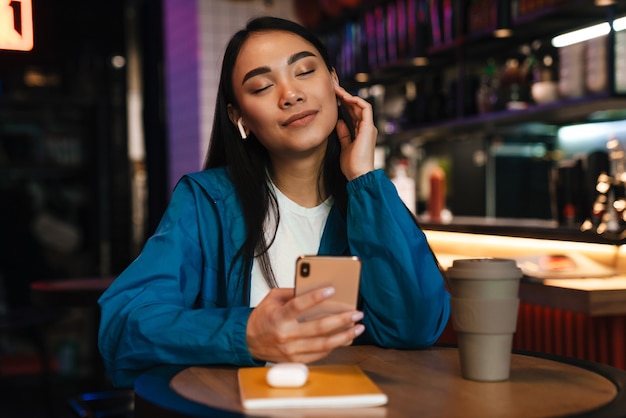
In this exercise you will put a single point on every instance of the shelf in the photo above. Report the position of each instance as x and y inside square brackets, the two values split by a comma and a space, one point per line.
[458, 63]
[560, 112]
[541, 24]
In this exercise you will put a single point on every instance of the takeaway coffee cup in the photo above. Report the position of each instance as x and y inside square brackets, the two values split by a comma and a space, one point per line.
[484, 308]
[485, 329]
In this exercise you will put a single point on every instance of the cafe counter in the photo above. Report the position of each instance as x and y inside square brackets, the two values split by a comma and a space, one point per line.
[583, 318]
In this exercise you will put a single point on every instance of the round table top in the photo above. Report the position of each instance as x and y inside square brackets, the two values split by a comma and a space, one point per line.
[419, 383]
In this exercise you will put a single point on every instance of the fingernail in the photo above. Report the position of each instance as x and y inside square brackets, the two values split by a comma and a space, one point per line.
[357, 316]
[329, 291]
[359, 329]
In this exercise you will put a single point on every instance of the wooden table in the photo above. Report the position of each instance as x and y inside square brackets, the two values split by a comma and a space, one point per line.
[420, 383]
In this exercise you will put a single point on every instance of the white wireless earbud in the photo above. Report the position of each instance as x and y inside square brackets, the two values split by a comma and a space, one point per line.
[242, 131]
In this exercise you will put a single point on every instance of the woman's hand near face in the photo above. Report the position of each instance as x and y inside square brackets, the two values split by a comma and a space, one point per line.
[357, 157]
[274, 334]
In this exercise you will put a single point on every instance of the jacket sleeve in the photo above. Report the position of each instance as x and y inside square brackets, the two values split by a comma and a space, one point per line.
[403, 293]
[149, 314]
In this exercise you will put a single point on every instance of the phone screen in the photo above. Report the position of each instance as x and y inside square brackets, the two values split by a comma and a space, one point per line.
[341, 272]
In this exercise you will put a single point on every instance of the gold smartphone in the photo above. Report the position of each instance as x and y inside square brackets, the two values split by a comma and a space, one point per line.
[341, 272]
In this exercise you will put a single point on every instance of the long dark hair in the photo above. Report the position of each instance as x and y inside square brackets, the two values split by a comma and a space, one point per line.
[247, 161]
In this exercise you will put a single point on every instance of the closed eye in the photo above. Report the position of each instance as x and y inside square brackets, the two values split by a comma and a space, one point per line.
[257, 91]
[306, 72]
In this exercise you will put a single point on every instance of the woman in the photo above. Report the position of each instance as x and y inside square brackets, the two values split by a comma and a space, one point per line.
[283, 177]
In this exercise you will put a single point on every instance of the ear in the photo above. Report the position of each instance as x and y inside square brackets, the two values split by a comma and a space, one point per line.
[333, 76]
[233, 113]
[335, 80]
[235, 117]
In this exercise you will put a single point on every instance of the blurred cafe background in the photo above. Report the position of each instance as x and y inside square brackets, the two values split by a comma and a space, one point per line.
[502, 124]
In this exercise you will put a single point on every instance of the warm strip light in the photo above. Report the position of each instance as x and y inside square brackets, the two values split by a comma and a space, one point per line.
[587, 33]
[449, 246]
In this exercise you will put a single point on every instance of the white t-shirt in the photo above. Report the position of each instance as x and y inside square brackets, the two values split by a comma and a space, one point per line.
[299, 232]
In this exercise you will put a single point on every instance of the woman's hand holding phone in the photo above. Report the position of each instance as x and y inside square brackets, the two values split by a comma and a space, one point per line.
[357, 155]
[288, 328]
[275, 334]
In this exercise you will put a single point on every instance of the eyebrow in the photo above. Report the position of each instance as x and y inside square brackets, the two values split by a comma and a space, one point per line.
[263, 70]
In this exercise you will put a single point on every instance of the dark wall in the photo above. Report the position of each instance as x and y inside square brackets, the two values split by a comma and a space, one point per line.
[63, 145]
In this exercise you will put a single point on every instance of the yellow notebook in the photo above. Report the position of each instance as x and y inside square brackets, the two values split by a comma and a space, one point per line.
[328, 386]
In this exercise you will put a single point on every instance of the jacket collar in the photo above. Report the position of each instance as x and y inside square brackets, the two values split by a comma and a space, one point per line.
[335, 237]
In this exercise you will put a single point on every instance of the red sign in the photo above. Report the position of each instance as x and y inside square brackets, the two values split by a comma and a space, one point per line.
[16, 25]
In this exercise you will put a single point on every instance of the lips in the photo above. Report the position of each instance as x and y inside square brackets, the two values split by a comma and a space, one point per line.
[302, 117]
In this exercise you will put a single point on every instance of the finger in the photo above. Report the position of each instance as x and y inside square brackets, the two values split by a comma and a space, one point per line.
[343, 133]
[340, 91]
[329, 325]
[359, 109]
[347, 100]
[307, 300]
[346, 97]
[305, 350]
[283, 294]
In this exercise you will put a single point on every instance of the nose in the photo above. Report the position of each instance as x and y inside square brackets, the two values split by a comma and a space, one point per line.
[290, 96]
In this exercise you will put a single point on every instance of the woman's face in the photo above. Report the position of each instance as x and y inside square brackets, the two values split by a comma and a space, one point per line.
[285, 93]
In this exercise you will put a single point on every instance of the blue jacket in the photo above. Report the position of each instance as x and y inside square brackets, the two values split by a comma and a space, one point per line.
[179, 303]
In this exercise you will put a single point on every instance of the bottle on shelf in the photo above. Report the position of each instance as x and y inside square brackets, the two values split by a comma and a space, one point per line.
[405, 184]
[487, 94]
[545, 87]
[515, 83]
[437, 195]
